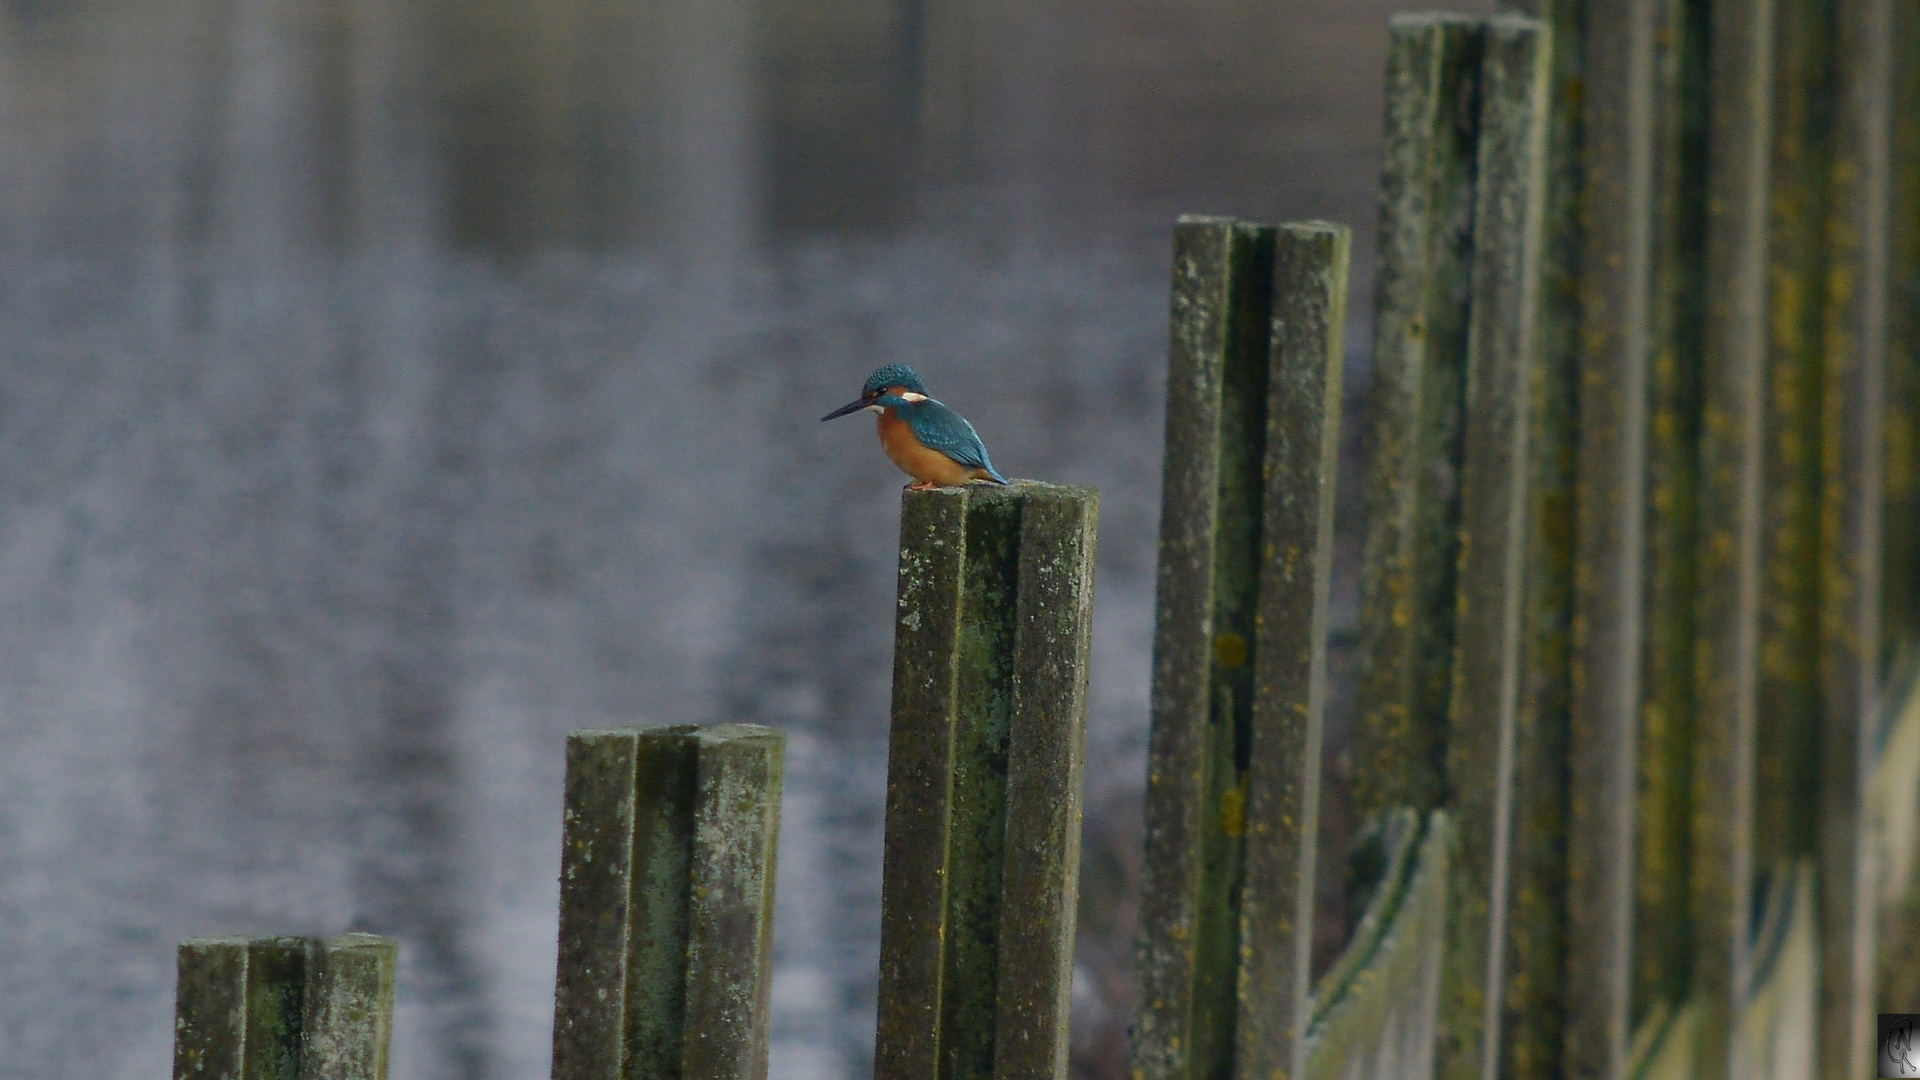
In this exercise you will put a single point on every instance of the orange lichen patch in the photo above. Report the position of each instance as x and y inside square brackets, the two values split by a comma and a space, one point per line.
[918, 461]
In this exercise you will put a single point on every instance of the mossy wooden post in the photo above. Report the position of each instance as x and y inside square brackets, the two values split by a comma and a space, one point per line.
[1301, 461]
[1409, 557]
[239, 1013]
[1787, 717]
[284, 1008]
[1448, 703]
[349, 1015]
[1485, 736]
[1204, 631]
[1899, 946]
[1619, 53]
[1239, 658]
[666, 903]
[1534, 996]
[1851, 495]
[1661, 954]
[984, 781]
[1732, 458]
[1900, 584]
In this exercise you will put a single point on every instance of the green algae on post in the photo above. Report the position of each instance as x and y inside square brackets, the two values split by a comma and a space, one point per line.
[666, 903]
[984, 781]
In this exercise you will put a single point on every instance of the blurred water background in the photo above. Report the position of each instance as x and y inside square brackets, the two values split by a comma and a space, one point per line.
[388, 387]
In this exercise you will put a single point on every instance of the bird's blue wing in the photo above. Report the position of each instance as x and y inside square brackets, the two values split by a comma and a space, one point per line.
[942, 429]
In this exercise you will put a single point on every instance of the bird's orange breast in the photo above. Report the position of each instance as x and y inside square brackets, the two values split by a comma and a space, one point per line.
[918, 460]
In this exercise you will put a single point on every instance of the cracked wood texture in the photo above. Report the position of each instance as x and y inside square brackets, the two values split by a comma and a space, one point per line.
[990, 661]
[666, 903]
[1254, 377]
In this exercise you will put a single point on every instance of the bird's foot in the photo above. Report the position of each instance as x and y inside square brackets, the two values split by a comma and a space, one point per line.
[923, 485]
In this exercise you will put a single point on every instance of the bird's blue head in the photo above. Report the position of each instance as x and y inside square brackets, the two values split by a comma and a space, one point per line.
[893, 375]
[878, 383]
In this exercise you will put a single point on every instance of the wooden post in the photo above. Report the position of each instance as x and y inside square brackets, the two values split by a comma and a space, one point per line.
[1290, 648]
[1239, 662]
[349, 1018]
[1900, 582]
[1534, 985]
[1732, 456]
[1661, 953]
[984, 781]
[1046, 782]
[1851, 493]
[1488, 663]
[666, 903]
[284, 1008]
[1453, 698]
[1899, 945]
[1619, 53]
[1410, 557]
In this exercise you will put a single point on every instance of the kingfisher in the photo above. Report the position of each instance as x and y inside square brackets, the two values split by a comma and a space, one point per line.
[930, 442]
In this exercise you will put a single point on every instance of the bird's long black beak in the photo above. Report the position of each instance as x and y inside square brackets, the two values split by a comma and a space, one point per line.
[851, 406]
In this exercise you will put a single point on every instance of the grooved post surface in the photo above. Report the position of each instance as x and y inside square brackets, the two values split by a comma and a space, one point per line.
[1853, 427]
[1661, 955]
[920, 749]
[614, 803]
[1620, 55]
[950, 990]
[1787, 713]
[1494, 504]
[1409, 557]
[349, 1007]
[666, 889]
[284, 1008]
[1534, 992]
[730, 883]
[1311, 261]
[1204, 645]
[1046, 780]
[1732, 465]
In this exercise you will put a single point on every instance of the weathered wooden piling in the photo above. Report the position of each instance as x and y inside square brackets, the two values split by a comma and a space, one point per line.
[1410, 555]
[1899, 944]
[1715, 960]
[1486, 739]
[1853, 415]
[1239, 657]
[1618, 144]
[1452, 699]
[666, 903]
[284, 1008]
[984, 781]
